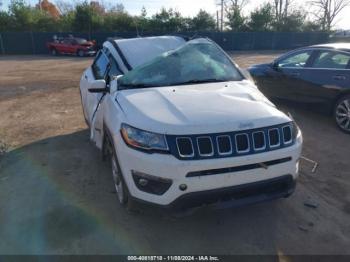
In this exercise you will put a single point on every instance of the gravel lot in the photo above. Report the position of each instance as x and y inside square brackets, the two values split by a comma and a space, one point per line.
[57, 196]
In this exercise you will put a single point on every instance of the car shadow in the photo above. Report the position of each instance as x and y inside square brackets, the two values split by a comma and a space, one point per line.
[59, 199]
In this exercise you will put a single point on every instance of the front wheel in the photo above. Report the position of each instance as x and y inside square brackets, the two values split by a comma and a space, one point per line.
[342, 113]
[54, 52]
[119, 183]
[120, 186]
[80, 53]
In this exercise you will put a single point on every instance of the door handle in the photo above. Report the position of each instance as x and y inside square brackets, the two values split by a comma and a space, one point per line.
[339, 77]
[85, 76]
[294, 74]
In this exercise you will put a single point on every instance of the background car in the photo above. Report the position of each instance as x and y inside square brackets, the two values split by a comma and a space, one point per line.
[72, 45]
[317, 75]
[341, 36]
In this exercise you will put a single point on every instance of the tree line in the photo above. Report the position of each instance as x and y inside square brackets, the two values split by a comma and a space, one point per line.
[273, 15]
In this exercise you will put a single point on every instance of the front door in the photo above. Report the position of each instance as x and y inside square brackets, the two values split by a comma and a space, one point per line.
[290, 70]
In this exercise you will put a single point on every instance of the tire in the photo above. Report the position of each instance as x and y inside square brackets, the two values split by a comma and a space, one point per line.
[342, 113]
[121, 188]
[82, 108]
[80, 53]
[54, 52]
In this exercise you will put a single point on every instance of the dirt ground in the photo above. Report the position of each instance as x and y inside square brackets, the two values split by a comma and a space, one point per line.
[57, 197]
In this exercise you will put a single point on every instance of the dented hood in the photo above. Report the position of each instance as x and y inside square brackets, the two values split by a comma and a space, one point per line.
[199, 109]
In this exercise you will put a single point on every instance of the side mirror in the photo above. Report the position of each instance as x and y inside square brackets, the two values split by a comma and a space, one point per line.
[275, 66]
[113, 86]
[246, 74]
[98, 86]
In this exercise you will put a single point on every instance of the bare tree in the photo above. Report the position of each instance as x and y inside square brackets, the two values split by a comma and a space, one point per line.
[281, 9]
[237, 5]
[233, 10]
[328, 10]
[64, 7]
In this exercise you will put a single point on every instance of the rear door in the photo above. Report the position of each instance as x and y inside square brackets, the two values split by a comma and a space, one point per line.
[326, 76]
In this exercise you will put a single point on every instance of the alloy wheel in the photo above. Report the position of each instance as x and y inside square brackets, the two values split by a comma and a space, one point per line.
[118, 183]
[342, 114]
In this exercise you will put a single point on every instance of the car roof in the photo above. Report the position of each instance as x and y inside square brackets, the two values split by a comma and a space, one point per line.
[340, 46]
[137, 51]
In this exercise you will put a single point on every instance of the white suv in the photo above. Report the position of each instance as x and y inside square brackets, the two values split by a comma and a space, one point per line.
[184, 126]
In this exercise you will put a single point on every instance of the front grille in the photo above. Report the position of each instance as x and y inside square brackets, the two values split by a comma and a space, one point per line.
[193, 147]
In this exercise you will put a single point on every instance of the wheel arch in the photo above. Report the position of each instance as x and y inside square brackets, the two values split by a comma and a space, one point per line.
[342, 93]
[107, 137]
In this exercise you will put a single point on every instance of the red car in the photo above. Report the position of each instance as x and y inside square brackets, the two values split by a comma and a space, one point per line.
[72, 45]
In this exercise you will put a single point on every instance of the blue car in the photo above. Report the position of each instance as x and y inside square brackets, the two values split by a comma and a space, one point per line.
[317, 75]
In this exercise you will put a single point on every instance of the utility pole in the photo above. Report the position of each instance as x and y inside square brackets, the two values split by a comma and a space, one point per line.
[222, 15]
[217, 21]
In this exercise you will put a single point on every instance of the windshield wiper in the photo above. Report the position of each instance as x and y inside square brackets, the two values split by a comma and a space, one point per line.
[199, 81]
[131, 86]
[193, 81]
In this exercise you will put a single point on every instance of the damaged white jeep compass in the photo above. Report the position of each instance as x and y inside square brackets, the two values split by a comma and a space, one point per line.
[184, 127]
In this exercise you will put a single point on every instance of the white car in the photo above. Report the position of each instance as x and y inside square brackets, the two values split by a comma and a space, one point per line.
[184, 126]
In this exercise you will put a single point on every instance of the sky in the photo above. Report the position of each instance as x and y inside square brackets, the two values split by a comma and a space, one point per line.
[191, 7]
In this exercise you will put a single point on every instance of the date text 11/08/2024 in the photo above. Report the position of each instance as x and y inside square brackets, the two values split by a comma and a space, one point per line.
[173, 258]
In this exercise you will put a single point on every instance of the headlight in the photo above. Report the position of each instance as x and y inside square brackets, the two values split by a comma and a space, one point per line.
[295, 128]
[143, 140]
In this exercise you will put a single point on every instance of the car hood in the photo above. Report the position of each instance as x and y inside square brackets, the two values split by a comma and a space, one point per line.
[199, 109]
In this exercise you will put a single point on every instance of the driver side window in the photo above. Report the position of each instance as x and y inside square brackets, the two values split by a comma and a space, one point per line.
[100, 66]
[298, 60]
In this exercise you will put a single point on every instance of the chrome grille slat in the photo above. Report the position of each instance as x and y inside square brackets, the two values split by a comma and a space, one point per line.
[255, 142]
[278, 135]
[211, 144]
[248, 144]
[178, 149]
[218, 146]
[286, 142]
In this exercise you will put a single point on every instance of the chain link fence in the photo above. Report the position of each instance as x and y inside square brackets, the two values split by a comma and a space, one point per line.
[35, 42]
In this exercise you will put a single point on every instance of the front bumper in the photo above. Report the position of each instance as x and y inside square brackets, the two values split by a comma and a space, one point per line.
[90, 52]
[199, 187]
[235, 196]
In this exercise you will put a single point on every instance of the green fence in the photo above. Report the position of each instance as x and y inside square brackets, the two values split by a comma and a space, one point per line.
[35, 42]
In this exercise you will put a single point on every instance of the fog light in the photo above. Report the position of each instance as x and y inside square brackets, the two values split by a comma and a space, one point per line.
[151, 184]
[183, 187]
[143, 182]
